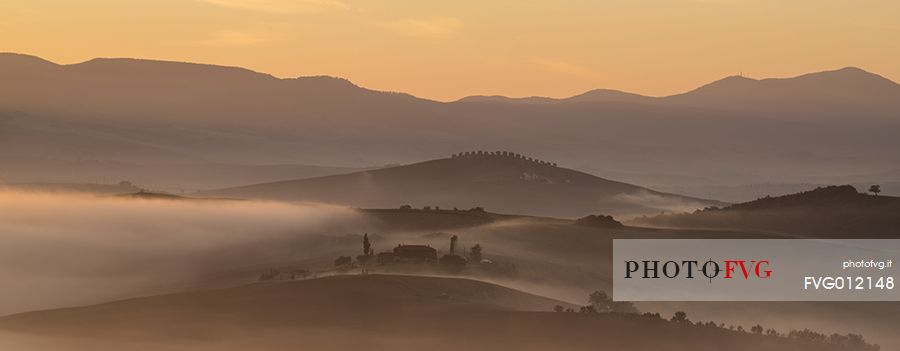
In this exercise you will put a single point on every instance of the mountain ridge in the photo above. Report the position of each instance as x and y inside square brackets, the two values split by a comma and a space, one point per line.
[834, 77]
[848, 71]
[156, 114]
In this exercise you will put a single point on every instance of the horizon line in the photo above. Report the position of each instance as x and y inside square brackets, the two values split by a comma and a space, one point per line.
[473, 95]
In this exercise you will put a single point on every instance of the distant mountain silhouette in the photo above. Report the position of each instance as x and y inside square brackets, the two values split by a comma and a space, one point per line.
[597, 95]
[145, 112]
[504, 99]
[834, 211]
[498, 183]
[845, 92]
[609, 95]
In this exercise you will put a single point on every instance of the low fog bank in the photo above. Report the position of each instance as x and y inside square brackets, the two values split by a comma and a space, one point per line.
[66, 249]
[655, 202]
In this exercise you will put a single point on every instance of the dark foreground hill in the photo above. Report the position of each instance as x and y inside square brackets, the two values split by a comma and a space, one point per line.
[366, 312]
[500, 183]
[834, 211]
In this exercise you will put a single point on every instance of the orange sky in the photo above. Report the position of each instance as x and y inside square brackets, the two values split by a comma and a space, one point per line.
[448, 49]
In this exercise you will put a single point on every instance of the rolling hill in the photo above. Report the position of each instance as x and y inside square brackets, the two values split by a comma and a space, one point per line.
[144, 112]
[375, 312]
[833, 211]
[501, 183]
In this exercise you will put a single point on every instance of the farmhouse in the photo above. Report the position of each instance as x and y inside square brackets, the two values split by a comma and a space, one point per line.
[410, 253]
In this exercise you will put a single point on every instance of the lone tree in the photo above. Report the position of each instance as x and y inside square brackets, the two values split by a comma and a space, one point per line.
[605, 304]
[875, 189]
[475, 253]
[367, 246]
[680, 317]
[600, 301]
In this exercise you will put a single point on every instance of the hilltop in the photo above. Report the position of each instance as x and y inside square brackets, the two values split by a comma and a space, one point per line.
[497, 181]
[832, 211]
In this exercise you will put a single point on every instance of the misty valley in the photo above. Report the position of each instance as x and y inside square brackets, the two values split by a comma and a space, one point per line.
[276, 273]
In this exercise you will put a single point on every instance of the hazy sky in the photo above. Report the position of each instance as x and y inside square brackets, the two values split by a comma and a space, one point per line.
[448, 49]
